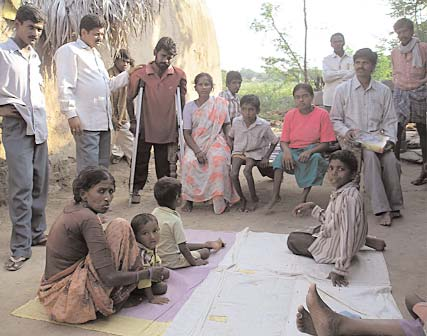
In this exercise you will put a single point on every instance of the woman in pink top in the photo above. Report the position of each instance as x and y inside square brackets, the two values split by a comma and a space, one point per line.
[307, 131]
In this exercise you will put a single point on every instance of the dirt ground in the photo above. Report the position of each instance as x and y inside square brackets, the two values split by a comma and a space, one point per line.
[406, 253]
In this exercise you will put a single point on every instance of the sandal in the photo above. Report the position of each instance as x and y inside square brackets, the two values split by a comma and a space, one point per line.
[420, 180]
[13, 264]
[41, 242]
[135, 199]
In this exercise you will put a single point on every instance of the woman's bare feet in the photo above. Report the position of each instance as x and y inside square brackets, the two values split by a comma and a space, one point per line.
[375, 243]
[325, 321]
[385, 219]
[304, 322]
[187, 207]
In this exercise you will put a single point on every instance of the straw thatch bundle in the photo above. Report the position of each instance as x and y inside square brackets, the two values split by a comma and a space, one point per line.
[123, 18]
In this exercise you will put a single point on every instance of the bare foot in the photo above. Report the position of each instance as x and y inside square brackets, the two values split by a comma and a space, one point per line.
[255, 199]
[273, 202]
[304, 322]
[375, 243]
[385, 219]
[215, 245]
[325, 321]
[187, 207]
[395, 214]
[252, 206]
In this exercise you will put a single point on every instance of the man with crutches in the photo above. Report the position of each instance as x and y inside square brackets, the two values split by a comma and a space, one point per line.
[157, 121]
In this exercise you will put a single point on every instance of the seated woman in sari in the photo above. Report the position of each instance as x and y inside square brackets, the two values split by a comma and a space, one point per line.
[306, 133]
[90, 272]
[207, 158]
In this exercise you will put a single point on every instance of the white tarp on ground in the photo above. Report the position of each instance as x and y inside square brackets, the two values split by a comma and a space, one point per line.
[260, 283]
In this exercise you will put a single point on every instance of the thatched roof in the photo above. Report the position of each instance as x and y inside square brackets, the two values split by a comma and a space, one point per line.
[123, 17]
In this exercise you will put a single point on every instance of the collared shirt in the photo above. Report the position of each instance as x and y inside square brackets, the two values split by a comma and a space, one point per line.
[336, 70]
[171, 232]
[369, 109]
[343, 229]
[405, 75]
[84, 86]
[118, 99]
[21, 85]
[252, 141]
[158, 118]
[233, 103]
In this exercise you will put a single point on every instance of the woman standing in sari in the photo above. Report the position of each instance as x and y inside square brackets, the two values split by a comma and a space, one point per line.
[207, 158]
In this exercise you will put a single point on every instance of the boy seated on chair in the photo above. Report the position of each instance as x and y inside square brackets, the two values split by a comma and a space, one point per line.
[173, 248]
[253, 141]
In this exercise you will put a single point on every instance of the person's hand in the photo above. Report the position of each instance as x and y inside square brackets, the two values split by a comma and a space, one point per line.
[388, 146]
[75, 126]
[159, 300]
[288, 161]
[201, 157]
[157, 273]
[351, 135]
[264, 163]
[304, 156]
[133, 69]
[338, 280]
[303, 209]
[132, 127]
[200, 262]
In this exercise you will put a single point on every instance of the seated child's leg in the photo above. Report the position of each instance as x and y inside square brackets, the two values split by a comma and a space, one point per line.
[247, 171]
[305, 193]
[236, 163]
[277, 182]
[204, 253]
[299, 242]
[159, 288]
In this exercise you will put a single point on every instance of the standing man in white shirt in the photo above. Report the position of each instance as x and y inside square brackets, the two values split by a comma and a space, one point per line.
[84, 89]
[24, 135]
[337, 68]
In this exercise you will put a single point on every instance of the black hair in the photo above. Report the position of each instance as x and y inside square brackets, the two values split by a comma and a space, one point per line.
[251, 99]
[166, 43]
[347, 157]
[29, 12]
[304, 86]
[122, 54]
[232, 75]
[89, 177]
[138, 222]
[91, 21]
[337, 34]
[403, 22]
[166, 191]
[203, 74]
[368, 54]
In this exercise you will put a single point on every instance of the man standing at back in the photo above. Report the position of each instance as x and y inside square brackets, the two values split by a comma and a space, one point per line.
[22, 107]
[337, 68]
[84, 89]
[158, 125]
[409, 62]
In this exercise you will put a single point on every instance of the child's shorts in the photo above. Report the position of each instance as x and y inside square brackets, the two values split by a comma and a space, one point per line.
[179, 261]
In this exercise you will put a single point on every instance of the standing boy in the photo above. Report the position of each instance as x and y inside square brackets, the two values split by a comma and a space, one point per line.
[233, 80]
[158, 126]
[253, 143]
[84, 89]
[22, 107]
[122, 139]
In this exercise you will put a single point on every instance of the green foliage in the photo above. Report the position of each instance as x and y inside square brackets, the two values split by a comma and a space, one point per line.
[383, 70]
[416, 10]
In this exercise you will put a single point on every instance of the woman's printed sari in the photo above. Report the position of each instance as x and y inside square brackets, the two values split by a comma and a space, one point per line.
[210, 181]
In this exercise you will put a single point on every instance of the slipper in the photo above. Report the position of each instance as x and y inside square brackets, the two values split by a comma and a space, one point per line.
[13, 264]
[420, 180]
[395, 214]
[41, 242]
[135, 199]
